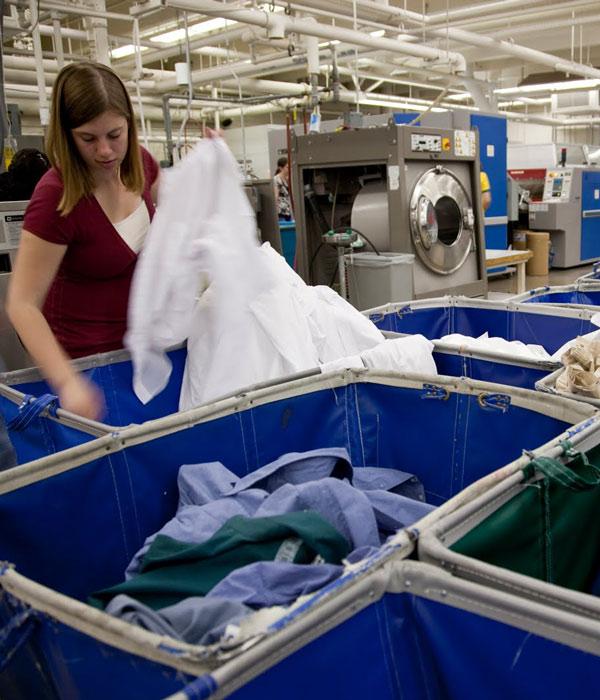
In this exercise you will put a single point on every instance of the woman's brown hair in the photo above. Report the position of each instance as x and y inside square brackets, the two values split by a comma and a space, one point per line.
[82, 92]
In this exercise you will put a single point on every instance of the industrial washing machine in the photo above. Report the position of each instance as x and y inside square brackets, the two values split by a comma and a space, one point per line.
[406, 190]
[570, 212]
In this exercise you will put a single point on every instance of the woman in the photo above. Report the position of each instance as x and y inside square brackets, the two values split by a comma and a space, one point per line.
[282, 189]
[82, 232]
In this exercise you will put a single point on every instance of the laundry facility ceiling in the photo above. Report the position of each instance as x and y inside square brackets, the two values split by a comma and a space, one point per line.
[532, 59]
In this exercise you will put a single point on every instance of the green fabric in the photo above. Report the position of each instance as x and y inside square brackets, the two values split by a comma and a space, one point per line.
[551, 530]
[172, 570]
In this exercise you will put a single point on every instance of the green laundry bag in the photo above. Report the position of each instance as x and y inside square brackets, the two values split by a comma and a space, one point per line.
[551, 529]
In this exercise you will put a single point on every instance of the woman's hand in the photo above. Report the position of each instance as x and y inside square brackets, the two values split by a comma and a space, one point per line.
[212, 133]
[80, 396]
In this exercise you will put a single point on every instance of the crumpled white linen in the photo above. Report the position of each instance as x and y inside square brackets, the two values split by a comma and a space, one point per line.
[411, 354]
[514, 348]
[557, 356]
[203, 277]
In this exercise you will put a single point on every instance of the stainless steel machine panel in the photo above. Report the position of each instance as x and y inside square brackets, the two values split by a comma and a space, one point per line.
[407, 189]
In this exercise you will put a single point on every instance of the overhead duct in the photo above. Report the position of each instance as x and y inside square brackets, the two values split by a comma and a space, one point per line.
[311, 27]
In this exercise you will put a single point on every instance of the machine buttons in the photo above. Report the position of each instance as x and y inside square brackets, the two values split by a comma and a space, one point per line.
[429, 143]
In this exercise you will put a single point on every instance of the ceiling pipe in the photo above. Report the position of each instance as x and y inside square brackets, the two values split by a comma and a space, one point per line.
[487, 9]
[545, 26]
[66, 32]
[76, 10]
[44, 110]
[29, 63]
[57, 41]
[239, 68]
[313, 28]
[349, 96]
[522, 15]
[84, 11]
[45, 30]
[159, 54]
[522, 52]
[473, 39]
[28, 105]
[338, 14]
[270, 87]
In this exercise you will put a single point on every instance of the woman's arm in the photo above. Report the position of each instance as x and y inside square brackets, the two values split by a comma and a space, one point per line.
[35, 268]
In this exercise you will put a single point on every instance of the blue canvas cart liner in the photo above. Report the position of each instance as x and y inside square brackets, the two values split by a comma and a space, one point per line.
[581, 294]
[37, 429]
[112, 371]
[426, 634]
[575, 613]
[546, 325]
[539, 324]
[71, 522]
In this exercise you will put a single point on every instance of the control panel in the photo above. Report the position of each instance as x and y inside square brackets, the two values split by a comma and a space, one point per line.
[428, 143]
[557, 186]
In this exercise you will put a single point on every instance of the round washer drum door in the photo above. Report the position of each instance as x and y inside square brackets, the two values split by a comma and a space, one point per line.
[439, 190]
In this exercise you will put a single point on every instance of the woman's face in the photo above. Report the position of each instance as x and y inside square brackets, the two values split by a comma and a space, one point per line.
[102, 142]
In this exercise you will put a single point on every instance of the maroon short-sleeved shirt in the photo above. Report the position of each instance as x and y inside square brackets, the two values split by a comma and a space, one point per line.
[86, 306]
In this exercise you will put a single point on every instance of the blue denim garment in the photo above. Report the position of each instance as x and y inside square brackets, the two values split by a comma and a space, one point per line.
[267, 583]
[210, 494]
[343, 506]
[195, 620]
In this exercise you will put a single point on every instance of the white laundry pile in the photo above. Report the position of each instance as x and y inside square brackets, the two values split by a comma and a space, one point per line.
[412, 353]
[203, 277]
[512, 348]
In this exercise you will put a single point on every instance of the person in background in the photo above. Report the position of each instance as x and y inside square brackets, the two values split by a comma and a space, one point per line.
[24, 172]
[82, 232]
[486, 191]
[282, 189]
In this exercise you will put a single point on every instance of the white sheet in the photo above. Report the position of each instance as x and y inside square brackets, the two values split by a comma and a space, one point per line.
[246, 315]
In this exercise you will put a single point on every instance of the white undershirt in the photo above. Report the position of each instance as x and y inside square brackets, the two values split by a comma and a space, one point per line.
[134, 228]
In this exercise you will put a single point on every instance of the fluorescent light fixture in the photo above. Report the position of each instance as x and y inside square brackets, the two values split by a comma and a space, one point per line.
[210, 25]
[460, 96]
[378, 33]
[333, 42]
[565, 86]
[127, 50]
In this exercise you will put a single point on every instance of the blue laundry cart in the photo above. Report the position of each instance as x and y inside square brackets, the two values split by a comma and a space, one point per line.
[70, 524]
[540, 324]
[580, 295]
[38, 428]
[549, 573]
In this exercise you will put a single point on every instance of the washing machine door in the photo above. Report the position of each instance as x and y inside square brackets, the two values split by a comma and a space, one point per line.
[442, 221]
